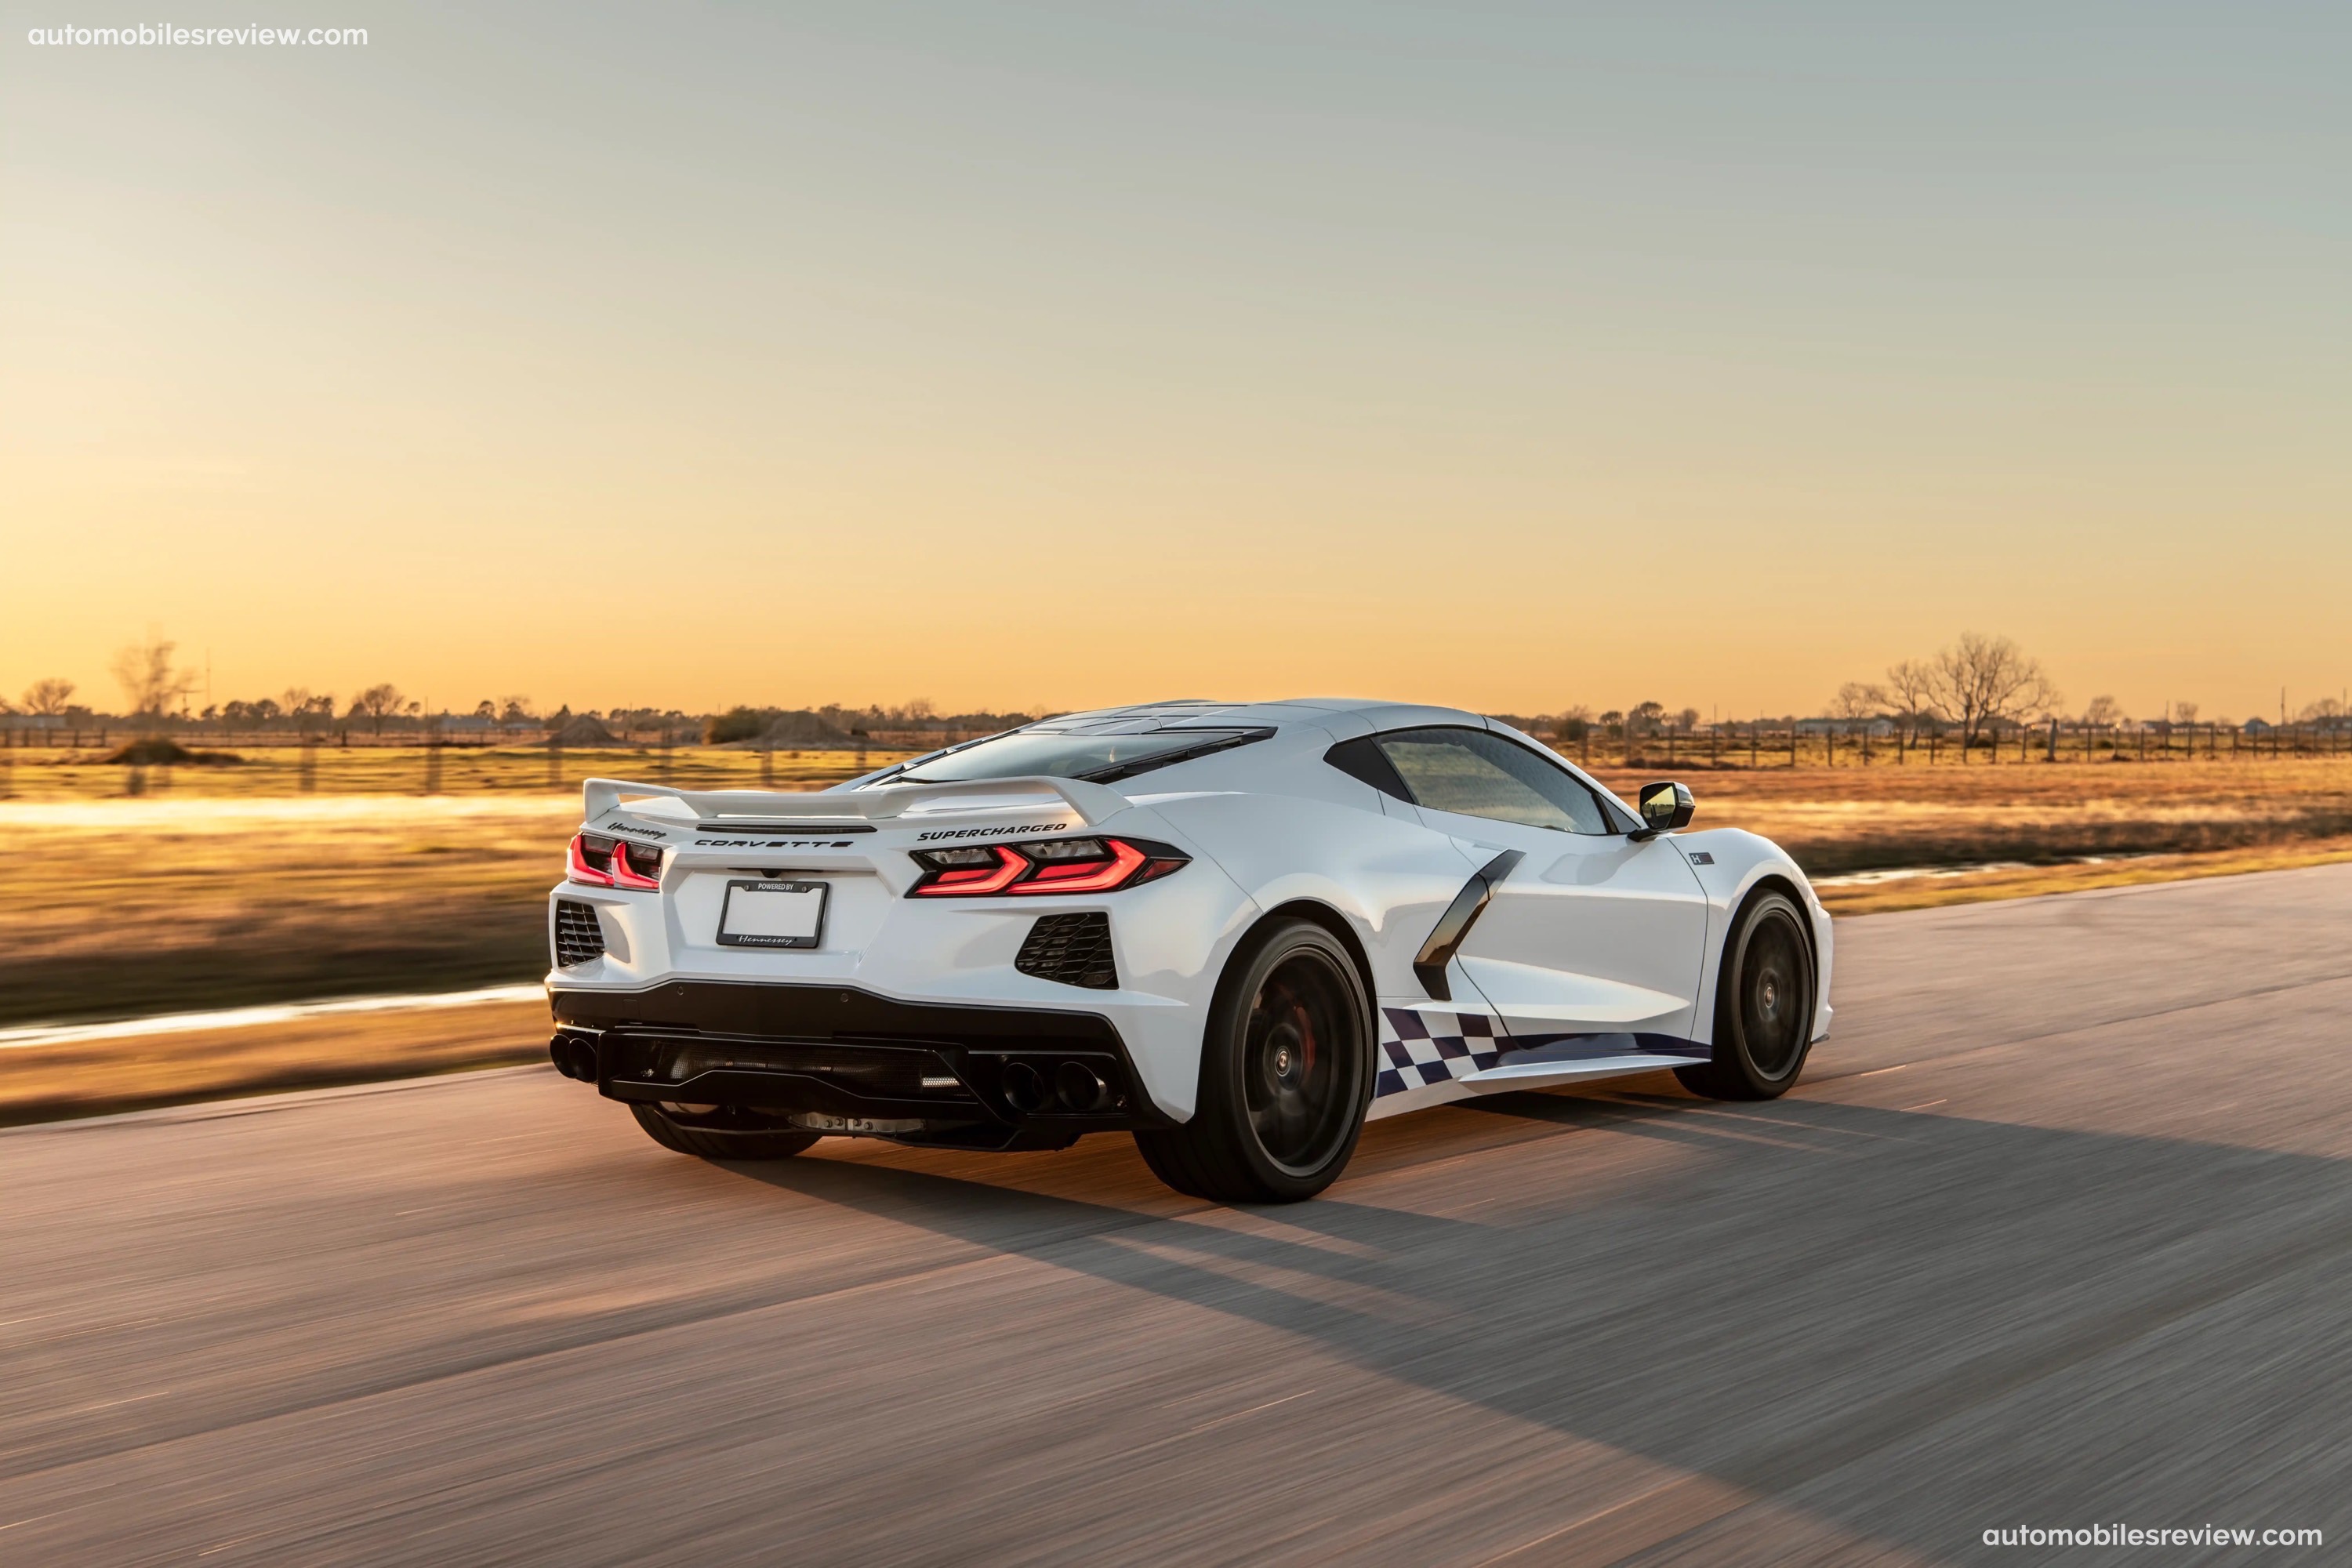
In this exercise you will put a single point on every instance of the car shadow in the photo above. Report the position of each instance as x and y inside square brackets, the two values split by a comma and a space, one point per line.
[1784, 1296]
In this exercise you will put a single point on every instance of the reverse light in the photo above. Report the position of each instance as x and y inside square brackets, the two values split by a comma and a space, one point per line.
[1042, 866]
[602, 862]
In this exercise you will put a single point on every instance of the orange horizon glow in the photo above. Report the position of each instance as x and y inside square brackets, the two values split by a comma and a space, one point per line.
[1047, 364]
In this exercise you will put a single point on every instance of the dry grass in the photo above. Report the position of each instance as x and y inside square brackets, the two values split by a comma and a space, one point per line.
[2028, 881]
[181, 902]
[231, 887]
[1847, 819]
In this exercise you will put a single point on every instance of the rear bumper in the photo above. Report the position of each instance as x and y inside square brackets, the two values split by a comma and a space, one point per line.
[922, 1072]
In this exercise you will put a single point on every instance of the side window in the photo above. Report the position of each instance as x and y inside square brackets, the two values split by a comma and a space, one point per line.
[1360, 759]
[1475, 773]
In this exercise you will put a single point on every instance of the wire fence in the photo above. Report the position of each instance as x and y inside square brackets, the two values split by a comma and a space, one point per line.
[1811, 743]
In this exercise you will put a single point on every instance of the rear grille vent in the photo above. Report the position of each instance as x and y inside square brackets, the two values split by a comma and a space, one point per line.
[1074, 950]
[578, 937]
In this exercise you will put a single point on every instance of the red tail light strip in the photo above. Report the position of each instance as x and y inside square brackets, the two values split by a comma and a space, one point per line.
[626, 873]
[972, 880]
[1087, 876]
[1122, 863]
[579, 870]
[619, 869]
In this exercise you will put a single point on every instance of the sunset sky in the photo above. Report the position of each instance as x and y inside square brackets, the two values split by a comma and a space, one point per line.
[1052, 355]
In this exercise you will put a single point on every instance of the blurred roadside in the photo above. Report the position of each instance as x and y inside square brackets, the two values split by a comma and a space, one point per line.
[229, 887]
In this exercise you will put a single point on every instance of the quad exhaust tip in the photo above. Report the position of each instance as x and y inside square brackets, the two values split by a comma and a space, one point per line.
[573, 1056]
[1065, 1087]
[1079, 1087]
[1025, 1087]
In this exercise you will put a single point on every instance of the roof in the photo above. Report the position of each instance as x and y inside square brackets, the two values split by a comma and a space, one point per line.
[1370, 713]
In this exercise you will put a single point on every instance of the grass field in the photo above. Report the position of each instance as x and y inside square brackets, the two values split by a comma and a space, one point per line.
[227, 885]
[219, 891]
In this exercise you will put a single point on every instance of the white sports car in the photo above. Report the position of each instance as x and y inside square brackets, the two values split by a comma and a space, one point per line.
[1237, 931]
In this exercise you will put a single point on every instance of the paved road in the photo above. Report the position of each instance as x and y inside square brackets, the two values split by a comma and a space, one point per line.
[2058, 1230]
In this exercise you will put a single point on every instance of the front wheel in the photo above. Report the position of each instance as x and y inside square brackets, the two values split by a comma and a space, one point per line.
[705, 1132]
[1763, 1006]
[1286, 1074]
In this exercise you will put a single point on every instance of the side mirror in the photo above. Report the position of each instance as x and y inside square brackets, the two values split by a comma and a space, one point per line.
[1665, 808]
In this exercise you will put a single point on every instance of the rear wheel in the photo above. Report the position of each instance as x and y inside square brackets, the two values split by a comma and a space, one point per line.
[709, 1133]
[1286, 1074]
[1763, 1006]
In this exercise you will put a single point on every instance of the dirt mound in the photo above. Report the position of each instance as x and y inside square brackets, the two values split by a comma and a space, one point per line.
[793, 729]
[803, 731]
[585, 731]
[163, 754]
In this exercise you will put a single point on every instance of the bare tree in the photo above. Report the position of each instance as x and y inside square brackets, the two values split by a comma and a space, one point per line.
[2184, 713]
[2103, 712]
[1981, 683]
[1857, 701]
[305, 707]
[1909, 695]
[48, 697]
[150, 682]
[382, 702]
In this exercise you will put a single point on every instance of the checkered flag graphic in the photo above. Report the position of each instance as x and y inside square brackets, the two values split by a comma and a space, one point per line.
[1413, 1053]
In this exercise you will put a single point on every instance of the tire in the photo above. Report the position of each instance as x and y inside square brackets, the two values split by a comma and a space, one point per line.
[1286, 1074]
[1764, 1004]
[688, 1134]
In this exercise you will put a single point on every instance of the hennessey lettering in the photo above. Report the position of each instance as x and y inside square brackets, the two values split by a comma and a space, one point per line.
[610, 826]
[938, 832]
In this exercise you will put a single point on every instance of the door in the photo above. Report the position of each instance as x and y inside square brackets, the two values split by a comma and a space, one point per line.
[1590, 933]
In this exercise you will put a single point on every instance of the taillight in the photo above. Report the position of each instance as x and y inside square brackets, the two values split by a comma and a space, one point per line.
[636, 865]
[1043, 866]
[602, 862]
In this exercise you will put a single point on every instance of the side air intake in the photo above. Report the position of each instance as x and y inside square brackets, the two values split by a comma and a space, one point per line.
[578, 937]
[1072, 950]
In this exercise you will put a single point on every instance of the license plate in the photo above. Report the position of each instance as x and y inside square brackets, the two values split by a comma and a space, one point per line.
[771, 914]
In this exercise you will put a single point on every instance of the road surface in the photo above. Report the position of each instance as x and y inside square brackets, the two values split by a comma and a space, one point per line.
[2057, 1231]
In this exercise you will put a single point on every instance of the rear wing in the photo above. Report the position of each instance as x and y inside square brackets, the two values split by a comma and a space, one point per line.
[880, 803]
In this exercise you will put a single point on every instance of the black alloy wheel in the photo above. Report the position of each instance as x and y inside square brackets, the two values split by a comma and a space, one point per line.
[1286, 1074]
[1764, 1005]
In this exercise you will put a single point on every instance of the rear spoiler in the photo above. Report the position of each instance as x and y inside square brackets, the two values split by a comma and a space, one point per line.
[880, 803]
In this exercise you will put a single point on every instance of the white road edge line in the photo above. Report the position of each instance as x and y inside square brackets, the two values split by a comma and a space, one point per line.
[33, 1034]
[262, 1104]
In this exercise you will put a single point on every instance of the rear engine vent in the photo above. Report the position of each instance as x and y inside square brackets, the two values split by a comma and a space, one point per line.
[578, 937]
[1072, 949]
